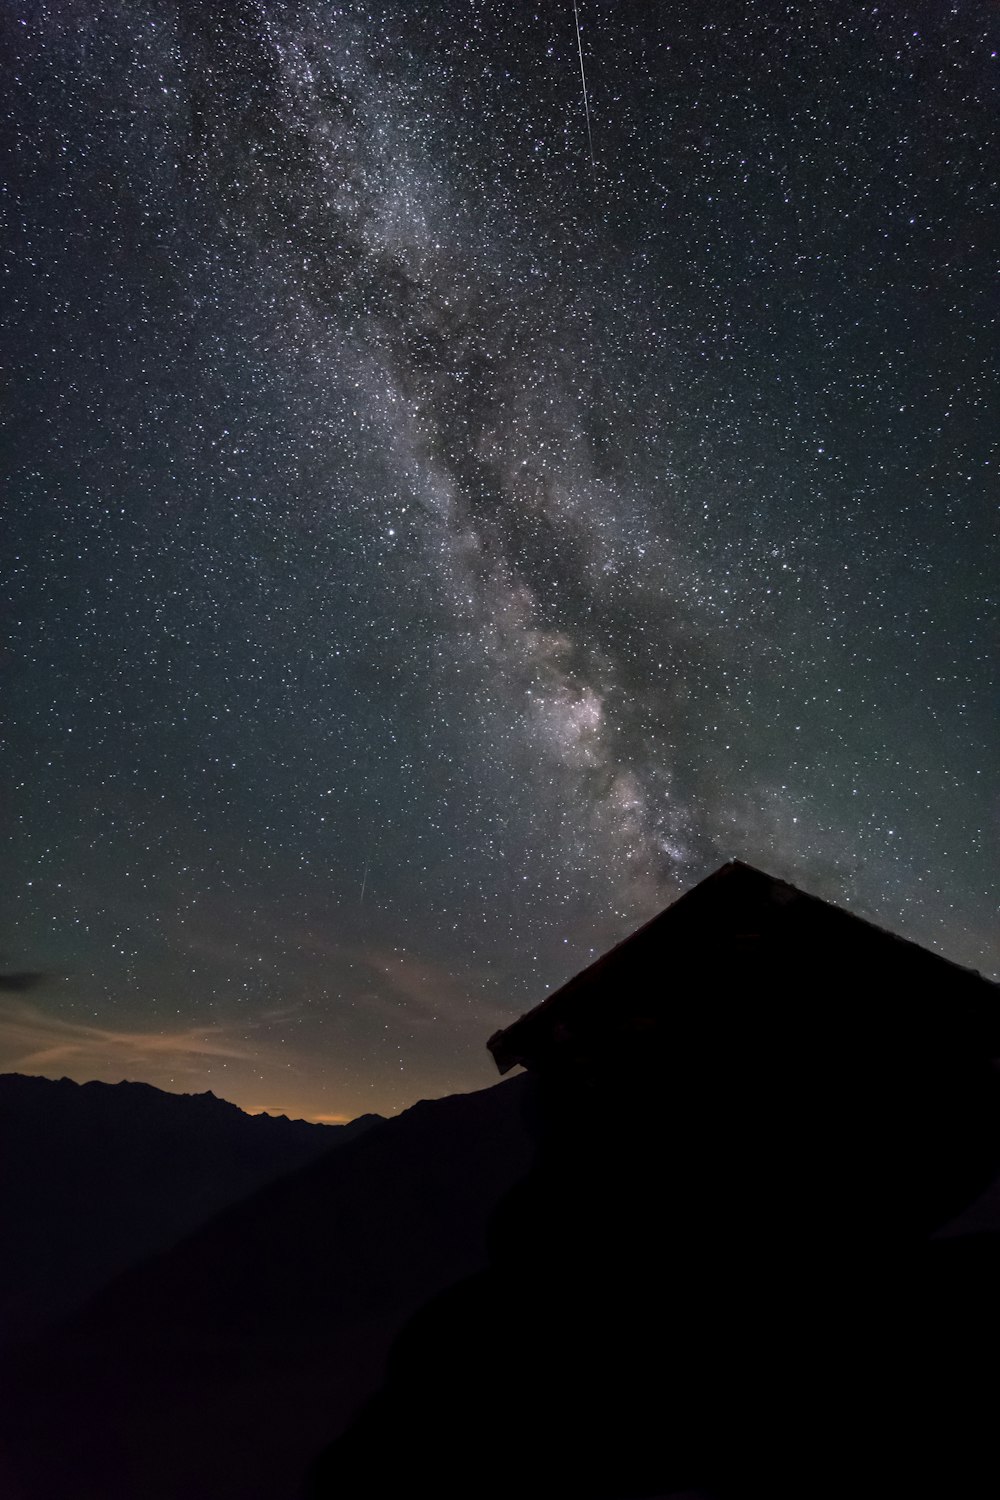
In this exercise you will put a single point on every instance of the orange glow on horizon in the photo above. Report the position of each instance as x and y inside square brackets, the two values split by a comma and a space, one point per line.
[293, 1113]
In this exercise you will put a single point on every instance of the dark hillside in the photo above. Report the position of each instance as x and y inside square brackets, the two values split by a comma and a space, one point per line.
[95, 1177]
[220, 1368]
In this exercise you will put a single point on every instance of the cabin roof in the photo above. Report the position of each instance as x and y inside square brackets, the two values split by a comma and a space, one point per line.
[733, 929]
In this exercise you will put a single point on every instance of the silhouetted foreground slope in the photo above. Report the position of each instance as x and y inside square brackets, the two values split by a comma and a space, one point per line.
[95, 1177]
[725, 1272]
[219, 1369]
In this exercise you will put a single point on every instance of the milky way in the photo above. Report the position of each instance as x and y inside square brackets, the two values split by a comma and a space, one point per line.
[436, 545]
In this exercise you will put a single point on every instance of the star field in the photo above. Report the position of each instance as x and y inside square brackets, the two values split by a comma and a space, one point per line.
[430, 549]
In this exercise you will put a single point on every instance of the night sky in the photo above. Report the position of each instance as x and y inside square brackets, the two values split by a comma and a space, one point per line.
[430, 547]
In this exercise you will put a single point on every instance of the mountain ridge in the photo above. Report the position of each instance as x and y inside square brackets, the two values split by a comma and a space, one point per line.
[242, 1349]
[142, 1088]
[96, 1177]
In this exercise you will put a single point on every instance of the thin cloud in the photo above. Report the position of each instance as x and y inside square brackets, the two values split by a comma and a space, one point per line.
[427, 992]
[30, 1038]
[24, 980]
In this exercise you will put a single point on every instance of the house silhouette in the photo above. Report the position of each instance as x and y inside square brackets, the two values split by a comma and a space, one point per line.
[725, 1273]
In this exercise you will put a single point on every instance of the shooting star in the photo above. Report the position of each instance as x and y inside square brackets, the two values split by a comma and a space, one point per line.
[583, 80]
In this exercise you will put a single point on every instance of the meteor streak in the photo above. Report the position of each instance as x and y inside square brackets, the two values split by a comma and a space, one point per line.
[583, 80]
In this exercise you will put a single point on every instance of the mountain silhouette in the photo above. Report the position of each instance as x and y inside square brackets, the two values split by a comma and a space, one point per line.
[221, 1367]
[95, 1177]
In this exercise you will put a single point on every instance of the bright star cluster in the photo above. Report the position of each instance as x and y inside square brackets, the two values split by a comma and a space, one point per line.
[430, 548]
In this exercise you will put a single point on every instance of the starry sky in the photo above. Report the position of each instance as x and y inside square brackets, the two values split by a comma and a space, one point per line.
[432, 544]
